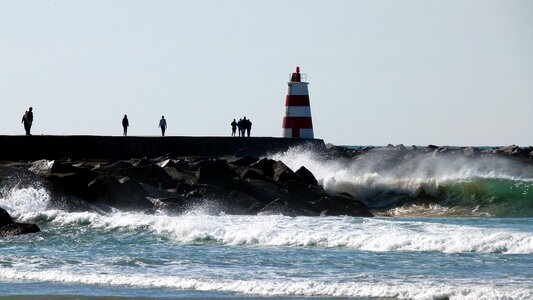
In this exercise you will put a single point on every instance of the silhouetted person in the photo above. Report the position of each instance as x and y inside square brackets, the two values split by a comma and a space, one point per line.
[244, 126]
[27, 120]
[233, 127]
[240, 126]
[125, 124]
[248, 127]
[24, 122]
[163, 125]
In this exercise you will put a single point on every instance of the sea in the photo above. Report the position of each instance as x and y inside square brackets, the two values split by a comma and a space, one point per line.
[468, 234]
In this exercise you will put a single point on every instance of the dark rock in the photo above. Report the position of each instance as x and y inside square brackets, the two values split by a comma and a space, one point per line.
[10, 228]
[5, 218]
[167, 163]
[266, 165]
[249, 172]
[339, 205]
[307, 177]
[301, 192]
[150, 174]
[512, 150]
[216, 172]
[281, 206]
[282, 173]
[245, 161]
[125, 193]
[46, 167]
[144, 162]
[264, 191]
[432, 147]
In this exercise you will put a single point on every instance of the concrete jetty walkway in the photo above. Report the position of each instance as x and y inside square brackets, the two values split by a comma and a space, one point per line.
[119, 147]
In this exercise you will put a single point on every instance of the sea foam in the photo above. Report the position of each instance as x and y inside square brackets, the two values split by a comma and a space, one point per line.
[392, 289]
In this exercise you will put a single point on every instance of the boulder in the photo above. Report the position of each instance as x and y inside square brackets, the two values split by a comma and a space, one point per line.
[123, 193]
[216, 172]
[301, 192]
[245, 161]
[10, 228]
[307, 177]
[282, 173]
[148, 173]
[284, 207]
[264, 191]
[45, 167]
[343, 205]
[248, 172]
[266, 165]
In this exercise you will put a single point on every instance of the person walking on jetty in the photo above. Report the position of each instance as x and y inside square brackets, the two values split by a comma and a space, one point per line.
[163, 125]
[233, 127]
[27, 120]
[125, 125]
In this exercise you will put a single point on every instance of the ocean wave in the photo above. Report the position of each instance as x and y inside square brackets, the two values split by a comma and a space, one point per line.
[375, 235]
[425, 290]
[489, 186]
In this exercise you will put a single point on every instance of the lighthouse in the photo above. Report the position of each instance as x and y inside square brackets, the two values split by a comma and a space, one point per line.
[297, 122]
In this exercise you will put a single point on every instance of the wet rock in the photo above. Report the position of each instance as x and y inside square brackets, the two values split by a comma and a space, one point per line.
[263, 191]
[282, 173]
[10, 228]
[216, 172]
[148, 173]
[245, 161]
[307, 177]
[343, 205]
[284, 207]
[248, 172]
[124, 193]
[266, 165]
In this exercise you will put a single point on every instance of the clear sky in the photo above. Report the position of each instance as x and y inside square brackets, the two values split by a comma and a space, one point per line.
[454, 72]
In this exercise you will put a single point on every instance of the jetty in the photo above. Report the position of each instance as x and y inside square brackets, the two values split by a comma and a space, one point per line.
[125, 147]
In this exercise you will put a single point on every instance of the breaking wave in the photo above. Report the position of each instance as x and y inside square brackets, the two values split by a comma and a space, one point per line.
[423, 184]
[429, 290]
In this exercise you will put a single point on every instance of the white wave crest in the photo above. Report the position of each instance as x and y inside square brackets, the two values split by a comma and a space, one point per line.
[375, 177]
[376, 234]
[23, 200]
[427, 290]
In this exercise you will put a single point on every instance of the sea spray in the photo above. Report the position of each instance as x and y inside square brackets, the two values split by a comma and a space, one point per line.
[382, 179]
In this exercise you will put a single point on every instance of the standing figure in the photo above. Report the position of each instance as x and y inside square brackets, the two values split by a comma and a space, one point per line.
[125, 124]
[24, 122]
[244, 126]
[233, 127]
[27, 120]
[248, 127]
[239, 127]
[163, 125]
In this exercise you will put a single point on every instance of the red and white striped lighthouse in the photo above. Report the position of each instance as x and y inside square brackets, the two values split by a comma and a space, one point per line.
[297, 122]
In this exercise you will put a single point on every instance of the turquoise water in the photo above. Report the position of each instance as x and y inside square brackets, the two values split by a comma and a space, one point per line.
[465, 233]
[199, 256]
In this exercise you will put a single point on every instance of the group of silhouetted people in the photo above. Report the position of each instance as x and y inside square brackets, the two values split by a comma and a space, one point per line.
[243, 125]
[162, 125]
